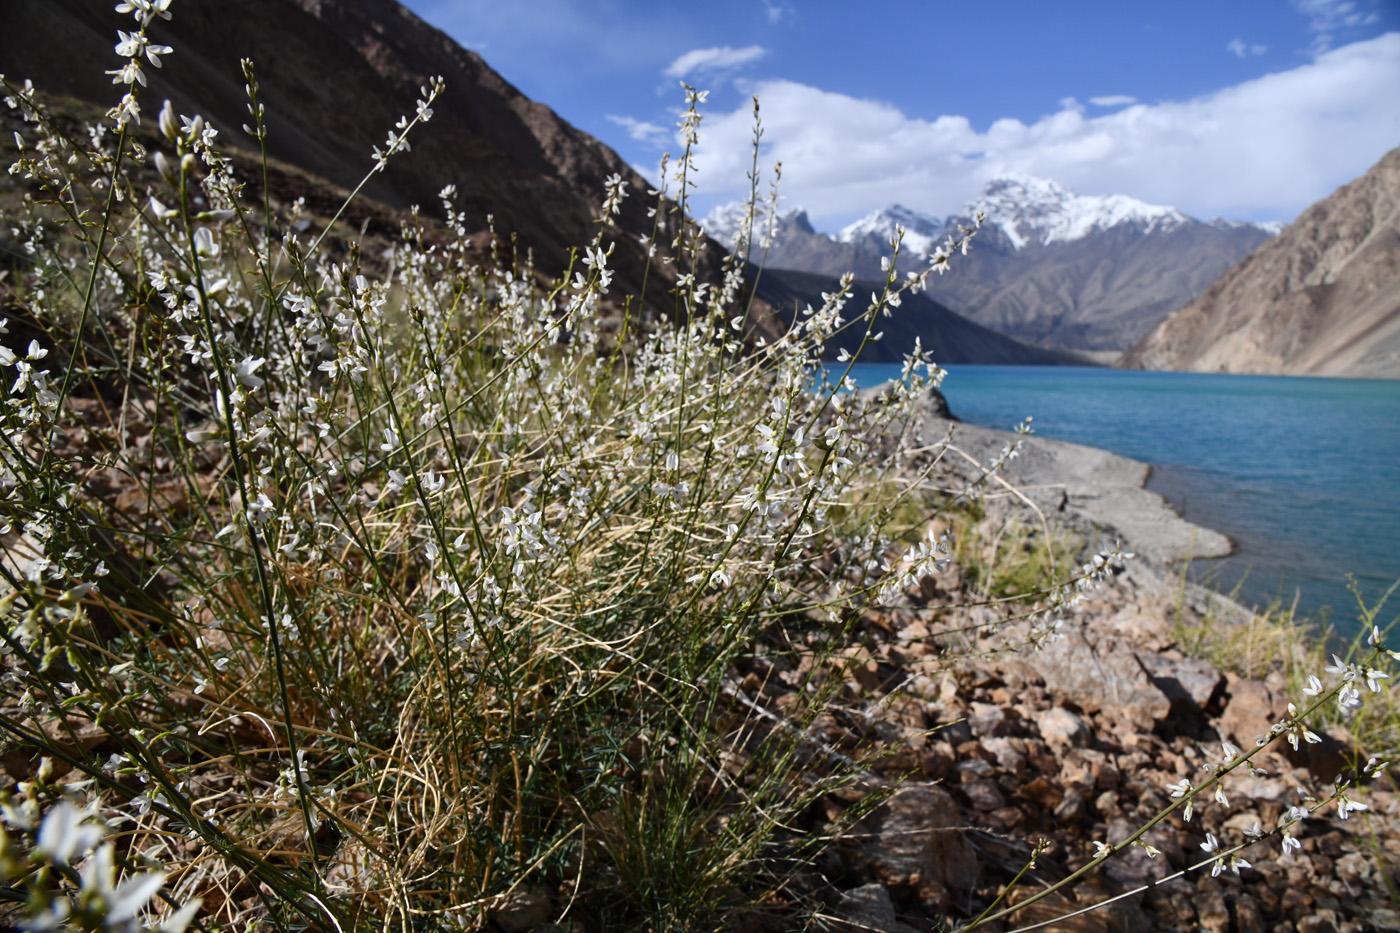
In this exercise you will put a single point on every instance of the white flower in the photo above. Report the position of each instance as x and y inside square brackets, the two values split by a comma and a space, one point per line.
[129, 898]
[1181, 790]
[204, 243]
[66, 832]
[1348, 699]
[245, 373]
[1346, 806]
[1338, 666]
[1314, 686]
[1289, 843]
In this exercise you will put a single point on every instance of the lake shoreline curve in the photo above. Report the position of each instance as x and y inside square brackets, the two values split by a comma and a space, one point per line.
[1090, 489]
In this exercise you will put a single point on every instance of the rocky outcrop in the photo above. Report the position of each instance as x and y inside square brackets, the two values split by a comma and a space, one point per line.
[1321, 299]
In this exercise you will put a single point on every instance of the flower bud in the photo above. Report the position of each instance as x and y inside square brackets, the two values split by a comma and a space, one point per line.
[166, 171]
[168, 126]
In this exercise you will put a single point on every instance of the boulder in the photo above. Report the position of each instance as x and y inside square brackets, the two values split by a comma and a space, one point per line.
[915, 841]
[1188, 682]
[1098, 670]
[869, 907]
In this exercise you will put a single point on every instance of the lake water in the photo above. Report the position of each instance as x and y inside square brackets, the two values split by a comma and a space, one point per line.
[1303, 474]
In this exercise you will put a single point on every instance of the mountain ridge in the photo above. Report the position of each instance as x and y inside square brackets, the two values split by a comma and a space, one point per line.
[1321, 299]
[1048, 267]
[517, 167]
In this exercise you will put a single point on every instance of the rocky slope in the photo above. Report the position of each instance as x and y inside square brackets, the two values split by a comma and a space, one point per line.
[1322, 299]
[1049, 267]
[981, 749]
[512, 160]
[335, 76]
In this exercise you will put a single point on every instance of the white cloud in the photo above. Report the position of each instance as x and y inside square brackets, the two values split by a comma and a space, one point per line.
[720, 58]
[1326, 17]
[1112, 100]
[1242, 50]
[778, 10]
[641, 130]
[1263, 149]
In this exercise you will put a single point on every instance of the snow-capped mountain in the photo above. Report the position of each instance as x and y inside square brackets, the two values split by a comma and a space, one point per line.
[1036, 210]
[1049, 266]
[922, 232]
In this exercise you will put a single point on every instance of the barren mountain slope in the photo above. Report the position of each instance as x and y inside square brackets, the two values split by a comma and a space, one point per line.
[1321, 299]
[335, 76]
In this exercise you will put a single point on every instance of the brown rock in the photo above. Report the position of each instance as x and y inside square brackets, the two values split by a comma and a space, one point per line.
[1188, 682]
[984, 794]
[1054, 907]
[1322, 921]
[916, 839]
[1251, 709]
[1042, 794]
[1247, 916]
[1072, 808]
[1009, 757]
[1060, 728]
[1214, 916]
[988, 719]
[1098, 670]
[1295, 902]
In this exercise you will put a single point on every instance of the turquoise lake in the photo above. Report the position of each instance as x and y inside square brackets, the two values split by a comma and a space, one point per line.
[1303, 474]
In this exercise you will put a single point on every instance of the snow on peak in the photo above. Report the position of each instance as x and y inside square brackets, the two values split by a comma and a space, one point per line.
[1271, 227]
[921, 232]
[1037, 210]
[724, 223]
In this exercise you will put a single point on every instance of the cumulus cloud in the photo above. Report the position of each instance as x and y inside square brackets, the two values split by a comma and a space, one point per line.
[1263, 149]
[641, 130]
[720, 58]
[1242, 50]
[1112, 100]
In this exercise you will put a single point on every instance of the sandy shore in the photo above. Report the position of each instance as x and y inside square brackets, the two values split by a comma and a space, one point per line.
[1088, 488]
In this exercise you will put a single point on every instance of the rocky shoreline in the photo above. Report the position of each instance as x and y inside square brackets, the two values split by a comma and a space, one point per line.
[1091, 489]
[985, 751]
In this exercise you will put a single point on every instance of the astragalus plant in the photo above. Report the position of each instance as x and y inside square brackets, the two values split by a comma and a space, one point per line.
[366, 588]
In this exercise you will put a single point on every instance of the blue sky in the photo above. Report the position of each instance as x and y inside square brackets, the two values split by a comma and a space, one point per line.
[1248, 109]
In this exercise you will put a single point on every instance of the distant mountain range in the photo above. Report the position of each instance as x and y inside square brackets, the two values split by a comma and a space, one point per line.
[1049, 266]
[336, 74]
[1321, 299]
